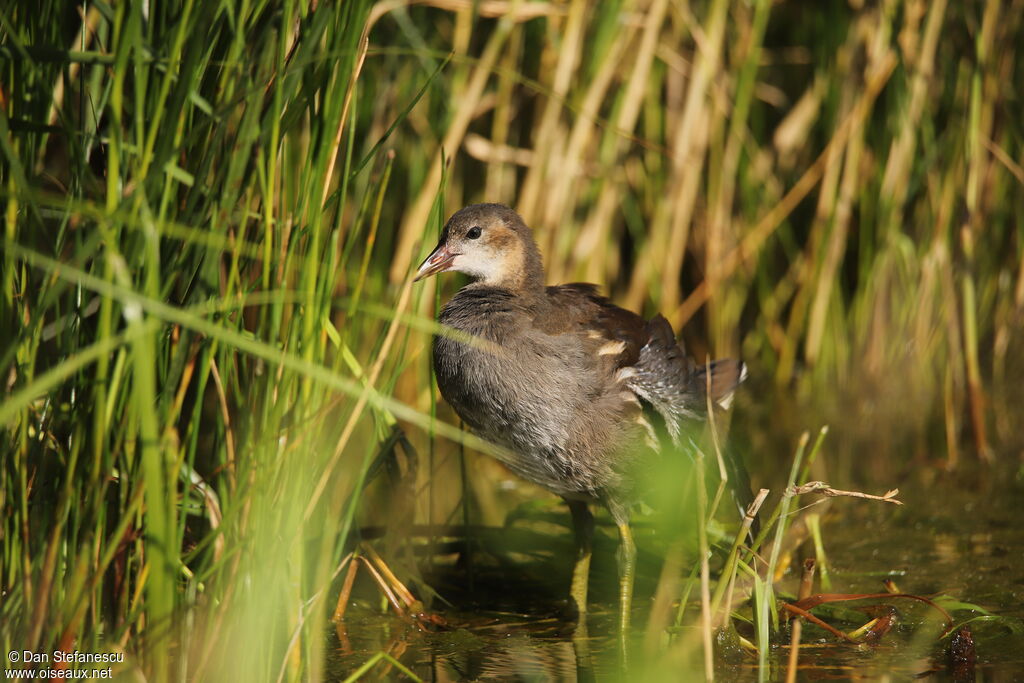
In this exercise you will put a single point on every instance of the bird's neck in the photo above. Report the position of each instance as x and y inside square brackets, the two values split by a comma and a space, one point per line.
[532, 281]
[523, 277]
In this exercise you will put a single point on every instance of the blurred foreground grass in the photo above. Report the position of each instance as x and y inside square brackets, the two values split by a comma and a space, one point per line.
[212, 210]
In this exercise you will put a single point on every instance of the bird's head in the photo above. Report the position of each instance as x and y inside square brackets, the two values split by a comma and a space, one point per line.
[491, 244]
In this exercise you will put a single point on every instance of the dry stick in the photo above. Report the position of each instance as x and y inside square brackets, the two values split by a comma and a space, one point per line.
[824, 489]
[1002, 157]
[750, 245]
[346, 588]
[823, 598]
[393, 600]
[399, 587]
[777, 512]
[806, 584]
[306, 607]
[793, 609]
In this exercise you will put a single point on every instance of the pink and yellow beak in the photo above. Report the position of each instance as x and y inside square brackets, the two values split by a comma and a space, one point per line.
[439, 261]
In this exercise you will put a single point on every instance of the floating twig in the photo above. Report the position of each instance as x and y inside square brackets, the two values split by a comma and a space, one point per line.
[826, 490]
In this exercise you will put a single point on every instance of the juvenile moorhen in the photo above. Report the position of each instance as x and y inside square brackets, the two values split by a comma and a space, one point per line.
[566, 378]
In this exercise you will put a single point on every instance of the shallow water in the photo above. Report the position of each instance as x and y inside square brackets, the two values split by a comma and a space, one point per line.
[958, 536]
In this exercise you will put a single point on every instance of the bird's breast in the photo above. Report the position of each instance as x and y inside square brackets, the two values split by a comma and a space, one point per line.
[542, 396]
[491, 383]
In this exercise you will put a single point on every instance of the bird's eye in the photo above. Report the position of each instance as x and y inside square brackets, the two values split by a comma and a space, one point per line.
[473, 232]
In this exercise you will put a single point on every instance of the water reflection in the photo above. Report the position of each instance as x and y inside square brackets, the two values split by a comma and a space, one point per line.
[949, 539]
[518, 657]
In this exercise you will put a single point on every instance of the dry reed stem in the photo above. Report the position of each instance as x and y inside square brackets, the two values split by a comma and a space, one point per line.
[594, 241]
[975, 388]
[758, 235]
[901, 152]
[720, 228]
[415, 218]
[688, 157]
[81, 41]
[492, 153]
[1018, 296]
[225, 414]
[500, 180]
[806, 585]
[541, 164]
[513, 10]
[565, 169]
[364, 43]
[1000, 154]
[791, 133]
[981, 122]
[835, 249]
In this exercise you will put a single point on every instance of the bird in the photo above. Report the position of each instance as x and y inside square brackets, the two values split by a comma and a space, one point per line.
[578, 392]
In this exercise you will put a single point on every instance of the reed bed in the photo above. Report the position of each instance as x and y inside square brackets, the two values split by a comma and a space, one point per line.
[212, 211]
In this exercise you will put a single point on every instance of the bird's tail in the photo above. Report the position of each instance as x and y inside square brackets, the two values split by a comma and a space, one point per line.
[725, 375]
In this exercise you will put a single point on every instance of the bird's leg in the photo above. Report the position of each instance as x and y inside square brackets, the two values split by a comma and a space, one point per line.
[627, 568]
[583, 524]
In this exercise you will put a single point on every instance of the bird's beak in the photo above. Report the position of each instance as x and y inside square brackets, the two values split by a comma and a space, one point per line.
[439, 261]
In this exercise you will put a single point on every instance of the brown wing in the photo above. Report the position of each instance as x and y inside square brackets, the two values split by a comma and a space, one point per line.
[659, 371]
[578, 308]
